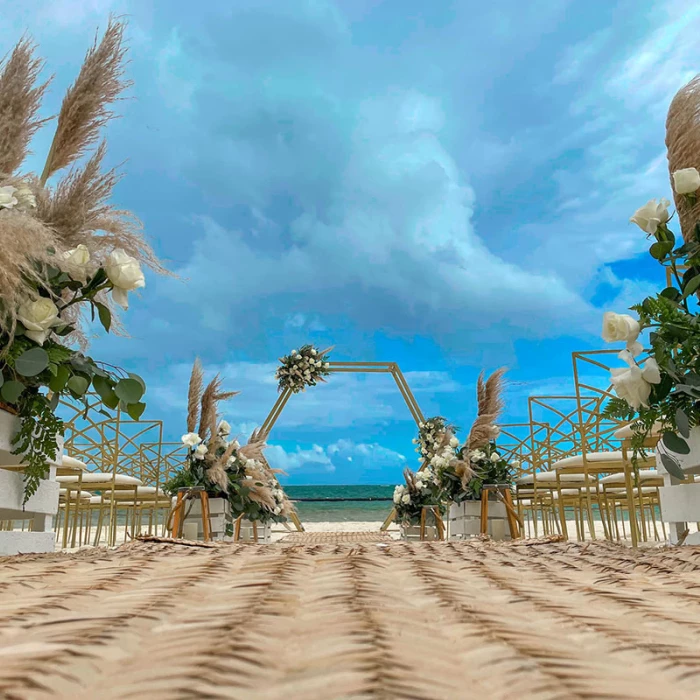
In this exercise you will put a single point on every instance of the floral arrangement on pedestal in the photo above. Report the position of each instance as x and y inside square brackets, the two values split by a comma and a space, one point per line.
[65, 252]
[478, 461]
[421, 489]
[302, 368]
[662, 393]
[223, 467]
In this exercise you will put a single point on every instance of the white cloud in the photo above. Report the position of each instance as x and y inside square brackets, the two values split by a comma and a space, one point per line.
[364, 457]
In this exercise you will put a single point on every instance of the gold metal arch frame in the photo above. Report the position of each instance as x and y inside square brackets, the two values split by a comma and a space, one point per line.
[356, 368]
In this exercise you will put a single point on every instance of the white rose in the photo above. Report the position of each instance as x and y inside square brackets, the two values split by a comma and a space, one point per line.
[277, 510]
[327, 365]
[38, 317]
[421, 425]
[124, 272]
[619, 327]
[313, 352]
[224, 428]
[515, 463]
[454, 442]
[405, 499]
[230, 461]
[495, 431]
[633, 384]
[7, 197]
[25, 197]
[200, 451]
[686, 181]
[651, 215]
[191, 439]
[495, 457]
[294, 352]
[75, 262]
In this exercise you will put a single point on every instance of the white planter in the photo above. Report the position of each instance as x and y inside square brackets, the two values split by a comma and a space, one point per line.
[40, 509]
[219, 513]
[464, 520]
[411, 533]
[247, 533]
[689, 463]
[680, 500]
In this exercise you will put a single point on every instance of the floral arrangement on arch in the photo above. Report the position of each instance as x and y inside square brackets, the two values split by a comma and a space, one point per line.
[421, 489]
[67, 256]
[302, 368]
[431, 437]
[223, 467]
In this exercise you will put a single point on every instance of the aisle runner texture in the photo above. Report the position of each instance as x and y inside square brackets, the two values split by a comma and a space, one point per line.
[357, 620]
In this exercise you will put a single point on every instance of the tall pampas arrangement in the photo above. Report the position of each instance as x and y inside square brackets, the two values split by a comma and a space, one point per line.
[41, 224]
[490, 405]
[683, 144]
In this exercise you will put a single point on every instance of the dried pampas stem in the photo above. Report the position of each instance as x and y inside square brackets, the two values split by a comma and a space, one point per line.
[20, 100]
[84, 110]
[208, 415]
[23, 241]
[194, 396]
[683, 144]
[490, 405]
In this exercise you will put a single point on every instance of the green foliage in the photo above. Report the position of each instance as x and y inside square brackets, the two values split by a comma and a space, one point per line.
[28, 372]
[36, 439]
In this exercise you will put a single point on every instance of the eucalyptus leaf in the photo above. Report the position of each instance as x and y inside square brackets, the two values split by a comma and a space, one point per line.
[105, 315]
[78, 385]
[692, 286]
[129, 390]
[2, 379]
[53, 402]
[11, 391]
[675, 443]
[139, 380]
[671, 466]
[105, 390]
[32, 362]
[82, 364]
[682, 423]
[135, 410]
[58, 383]
[671, 293]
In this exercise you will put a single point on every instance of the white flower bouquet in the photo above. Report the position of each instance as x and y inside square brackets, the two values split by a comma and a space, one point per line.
[302, 368]
[420, 489]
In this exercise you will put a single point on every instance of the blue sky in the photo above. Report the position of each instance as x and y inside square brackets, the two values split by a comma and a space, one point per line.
[442, 184]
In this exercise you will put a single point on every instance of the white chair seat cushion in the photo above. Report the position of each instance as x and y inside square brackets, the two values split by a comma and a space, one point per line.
[625, 433]
[551, 476]
[591, 457]
[525, 503]
[644, 474]
[576, 492]
[645, 490]
[72, 463]
[91, 478]
[143, 493]
[83, 494]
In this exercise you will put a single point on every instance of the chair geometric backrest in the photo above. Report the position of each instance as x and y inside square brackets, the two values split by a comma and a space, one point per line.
[593, 391]
[561, 438]
[515, 442]
[110, 445]
[159, 461]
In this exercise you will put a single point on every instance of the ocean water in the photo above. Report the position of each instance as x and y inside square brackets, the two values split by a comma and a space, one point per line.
[344, 511]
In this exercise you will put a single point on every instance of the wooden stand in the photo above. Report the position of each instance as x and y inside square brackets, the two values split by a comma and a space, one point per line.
[502, 492]
[439, 525]
[184, 495]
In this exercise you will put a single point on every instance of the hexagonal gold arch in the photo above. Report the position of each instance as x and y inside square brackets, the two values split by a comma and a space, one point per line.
[357, 368]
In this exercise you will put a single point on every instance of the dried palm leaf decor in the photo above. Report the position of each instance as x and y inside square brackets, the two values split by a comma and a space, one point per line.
[683, 144]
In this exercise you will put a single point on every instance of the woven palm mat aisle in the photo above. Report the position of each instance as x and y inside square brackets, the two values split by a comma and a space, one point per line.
[360, 620]
[335, 537]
